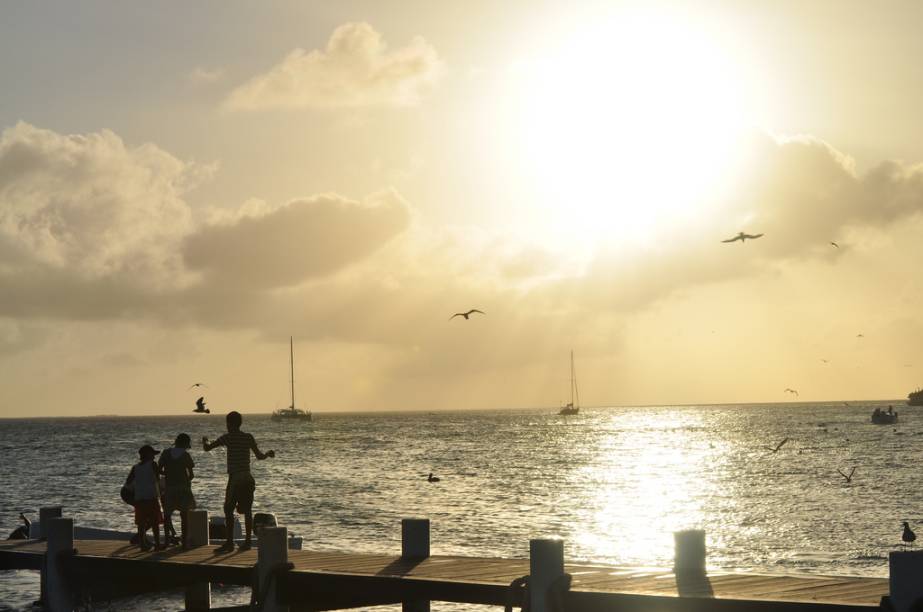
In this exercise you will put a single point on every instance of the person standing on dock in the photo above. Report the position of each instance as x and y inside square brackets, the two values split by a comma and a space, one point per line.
[176, 465]
[239, 492]
[145, 477]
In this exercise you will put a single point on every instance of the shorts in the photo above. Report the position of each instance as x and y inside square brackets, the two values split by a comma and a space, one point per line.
[178, 498]
[239, 493]
[147, 513]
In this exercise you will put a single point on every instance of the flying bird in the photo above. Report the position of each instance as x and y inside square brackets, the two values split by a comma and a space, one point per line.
[743, 237]
[778, 446]
[849, 477]
[825, 361]
[466, 314]
[792, 391]
[908, 536]
[835, 244]
[194, 385]
[859, 336]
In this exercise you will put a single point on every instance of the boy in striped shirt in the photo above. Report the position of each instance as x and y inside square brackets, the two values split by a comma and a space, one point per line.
[239, 492]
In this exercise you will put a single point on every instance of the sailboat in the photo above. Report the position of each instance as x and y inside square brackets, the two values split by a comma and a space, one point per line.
[572, 407]
[291, 413]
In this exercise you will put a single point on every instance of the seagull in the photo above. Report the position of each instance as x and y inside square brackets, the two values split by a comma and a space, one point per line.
[825, 361]
[851, 472]
[742, 237]
[778, 446]
[908, 536]
[835, 244]
[194, 385]
[432, 478]
[466, 314]
[859, 336]
[792, 391]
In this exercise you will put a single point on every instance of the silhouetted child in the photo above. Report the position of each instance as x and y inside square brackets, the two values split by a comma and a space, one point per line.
[176, 465]
[239, 492]
[146, 476]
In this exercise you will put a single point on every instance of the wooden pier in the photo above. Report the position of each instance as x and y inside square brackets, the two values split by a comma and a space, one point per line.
[305, 580]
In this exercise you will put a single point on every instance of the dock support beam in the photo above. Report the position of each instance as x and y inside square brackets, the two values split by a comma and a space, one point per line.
[415, 547]
[44, 515]
[272, 555]
[905, 575]
[546, 565]
[198, 595]
[60, 536]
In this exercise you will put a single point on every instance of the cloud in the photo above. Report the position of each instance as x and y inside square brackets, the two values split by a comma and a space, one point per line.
[305, 238]
[355, 70]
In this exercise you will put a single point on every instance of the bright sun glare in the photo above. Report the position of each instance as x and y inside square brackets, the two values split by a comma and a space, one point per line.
[628, 127]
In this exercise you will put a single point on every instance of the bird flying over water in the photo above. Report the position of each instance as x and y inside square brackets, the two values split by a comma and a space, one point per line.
[778, 446]
[466, 314]
[851, 472]
[743, 237]
[194, 385]
[792, 391]
[908, 536]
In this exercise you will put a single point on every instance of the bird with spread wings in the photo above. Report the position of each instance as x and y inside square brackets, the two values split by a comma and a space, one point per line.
[777, 447]
[743, 237]
[466, 314]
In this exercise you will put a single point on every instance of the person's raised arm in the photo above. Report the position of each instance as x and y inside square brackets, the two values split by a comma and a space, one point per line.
[256, 451]
[207, 446]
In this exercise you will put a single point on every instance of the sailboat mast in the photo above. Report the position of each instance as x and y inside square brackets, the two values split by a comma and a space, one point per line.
[574, 392]
[291, 350]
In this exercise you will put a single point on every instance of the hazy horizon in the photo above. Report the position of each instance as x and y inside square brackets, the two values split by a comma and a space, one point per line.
[184, 188]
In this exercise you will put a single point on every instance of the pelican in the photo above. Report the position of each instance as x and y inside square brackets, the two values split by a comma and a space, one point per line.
[432, 478]
[743, 237]
[466, 314]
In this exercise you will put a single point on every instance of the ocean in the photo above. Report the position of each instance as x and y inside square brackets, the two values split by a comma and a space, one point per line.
[614, 483]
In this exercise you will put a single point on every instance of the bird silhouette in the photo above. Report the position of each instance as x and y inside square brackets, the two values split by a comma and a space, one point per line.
[835, 244]
[851, 472]
[194, 385]
[743, 237]
[859, 336]
[792, 391]
[825, 361]
[908, 536]
[466, 314]
[777, 447]
[200, 406]
[432, 478]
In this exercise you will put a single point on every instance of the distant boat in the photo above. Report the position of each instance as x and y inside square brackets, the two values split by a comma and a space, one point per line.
[915, 398]
[884, 417]
[291, 413]
[572, 407]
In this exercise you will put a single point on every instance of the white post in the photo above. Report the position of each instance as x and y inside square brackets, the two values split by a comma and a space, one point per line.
[689, 547]
[198, 595]
[272, 553]
[546, 564]
[60, 532]
[415, 546]
[905, 569]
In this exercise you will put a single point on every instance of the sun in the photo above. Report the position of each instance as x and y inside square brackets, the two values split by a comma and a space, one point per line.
[628, 127]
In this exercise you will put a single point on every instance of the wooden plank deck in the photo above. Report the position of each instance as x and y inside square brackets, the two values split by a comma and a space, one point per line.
[328, 580]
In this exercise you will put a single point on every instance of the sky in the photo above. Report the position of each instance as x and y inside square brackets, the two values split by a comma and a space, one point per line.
[186, 186]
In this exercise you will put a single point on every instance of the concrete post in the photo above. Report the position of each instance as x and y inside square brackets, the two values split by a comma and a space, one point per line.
[272, 553]
[44, 515]
[58, 594]
[415, 546]
[689, 547]
[905, 573]
[546, 564]
[198, 595]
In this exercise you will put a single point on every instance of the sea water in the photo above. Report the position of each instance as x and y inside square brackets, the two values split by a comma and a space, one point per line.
[614, 483]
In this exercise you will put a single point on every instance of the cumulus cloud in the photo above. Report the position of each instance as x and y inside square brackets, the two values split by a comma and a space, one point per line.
[356, 69]
[305, 238]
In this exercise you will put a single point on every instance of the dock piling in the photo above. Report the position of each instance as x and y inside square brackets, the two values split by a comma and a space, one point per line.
[198, 595]
[905, 569]
[44, 515]
[689, 547]
[415, 546]
[60, 537]
[272, 554]
[546, 566]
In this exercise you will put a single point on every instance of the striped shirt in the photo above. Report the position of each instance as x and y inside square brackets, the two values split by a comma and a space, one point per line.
[239, 445]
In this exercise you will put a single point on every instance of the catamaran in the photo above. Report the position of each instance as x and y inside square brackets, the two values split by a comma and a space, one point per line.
[572, 407]
[291, 413]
